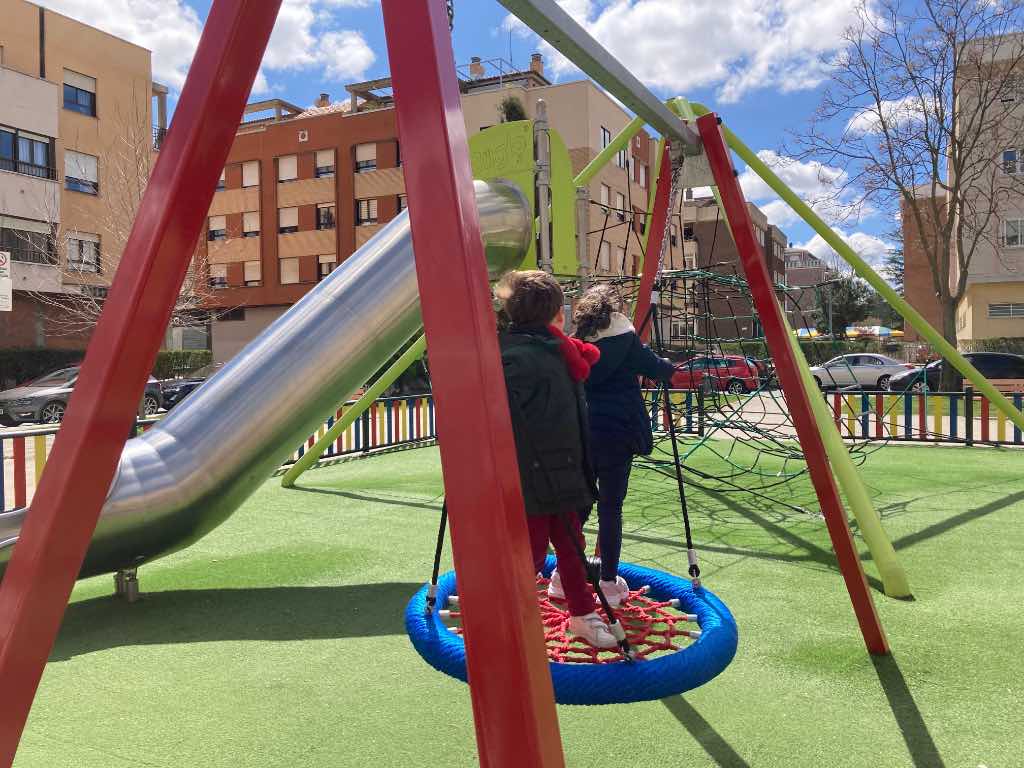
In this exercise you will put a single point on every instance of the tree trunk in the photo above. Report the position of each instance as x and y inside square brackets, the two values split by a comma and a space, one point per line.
[951, 381]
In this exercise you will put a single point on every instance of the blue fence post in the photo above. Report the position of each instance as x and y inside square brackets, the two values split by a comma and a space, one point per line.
[689, 411]
[865, 405]
[953, 399]
[390, 440]
[908, 416]
[1018, 403]
[430, 411]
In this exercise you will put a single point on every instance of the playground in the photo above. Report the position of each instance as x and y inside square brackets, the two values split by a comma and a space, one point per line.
[276, 641]
[803, 589]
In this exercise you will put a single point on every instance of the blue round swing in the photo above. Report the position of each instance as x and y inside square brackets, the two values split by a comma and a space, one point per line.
[617, 682]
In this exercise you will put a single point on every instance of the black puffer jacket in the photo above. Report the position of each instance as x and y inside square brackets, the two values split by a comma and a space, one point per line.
[618, 416]
[549, 421]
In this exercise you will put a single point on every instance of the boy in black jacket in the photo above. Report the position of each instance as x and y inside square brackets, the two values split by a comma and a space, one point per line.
[544, 372]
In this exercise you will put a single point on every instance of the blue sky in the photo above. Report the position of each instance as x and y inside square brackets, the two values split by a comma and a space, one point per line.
[758, 62]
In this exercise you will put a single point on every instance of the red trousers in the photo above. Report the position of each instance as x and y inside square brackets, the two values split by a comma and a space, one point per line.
[556, 529]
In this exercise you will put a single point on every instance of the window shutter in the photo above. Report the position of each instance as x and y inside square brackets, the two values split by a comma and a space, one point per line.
[325, 158]
[84, 82]
[287, 168]
[289, 271]
[365, 152]
[79, 165]
[288, 217]
[219, 270]
[251, 221]
[330, 258]
[218, 222]
[251, 173]
[253, 271]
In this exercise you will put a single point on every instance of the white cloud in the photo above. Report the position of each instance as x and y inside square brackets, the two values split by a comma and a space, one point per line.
[306, 36]
[869, 247]
[736, 45]
[896, 113]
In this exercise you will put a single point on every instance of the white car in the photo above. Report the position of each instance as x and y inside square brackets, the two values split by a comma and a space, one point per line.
[868, 371]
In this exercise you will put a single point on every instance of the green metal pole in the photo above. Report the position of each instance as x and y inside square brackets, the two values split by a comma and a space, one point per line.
[605, 155]
[894, 578]
[310, 457]
[911, 315]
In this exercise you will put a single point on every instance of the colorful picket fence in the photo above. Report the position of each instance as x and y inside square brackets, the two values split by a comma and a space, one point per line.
[389, 422]
[941, 417]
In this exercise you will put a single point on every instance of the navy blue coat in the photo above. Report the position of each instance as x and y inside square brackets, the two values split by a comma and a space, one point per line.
[619, 422]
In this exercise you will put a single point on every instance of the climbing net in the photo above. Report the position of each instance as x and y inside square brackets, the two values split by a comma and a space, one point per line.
[652, 627]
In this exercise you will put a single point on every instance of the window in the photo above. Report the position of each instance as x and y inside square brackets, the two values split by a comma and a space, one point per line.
[1011, 166]
[606, 137]
[622, 158]
[233, 315]
[81, 172]
[287, 220]
[27, 240]
[253, 273]
[1011, 89]
[251, 173]
[620, 206]
[366, 158]
[643, 175]
[366, 212]
[620, 259]
[251, 224]
[289, 271]
[220, 181]
[326, 265]
[1013, 231]
[325, 216]
[687, 231]
[287, 168]
[324, 163]
[605, 258]
[674, 235]
[606, 194]
[997, 311]
[24, 152]
[79, 93]
[398, 154]
[403, 203]
[690, 262]
[84, 252]
[219, 276]
[218, 229]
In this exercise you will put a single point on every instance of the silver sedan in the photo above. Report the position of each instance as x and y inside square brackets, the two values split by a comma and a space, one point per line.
[868, 371]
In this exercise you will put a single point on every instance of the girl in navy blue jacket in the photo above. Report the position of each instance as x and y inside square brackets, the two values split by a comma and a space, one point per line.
[620, 427]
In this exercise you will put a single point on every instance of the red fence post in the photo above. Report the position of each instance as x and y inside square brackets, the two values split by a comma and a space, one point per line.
[776, 333]
[984, 419]
[879, 415]
[20, 490]
[53, 541]
[510, 683]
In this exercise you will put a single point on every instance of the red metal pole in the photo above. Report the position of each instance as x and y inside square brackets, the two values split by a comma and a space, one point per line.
[659, 219]
[510, 684]
[53, 541]
[775, 332]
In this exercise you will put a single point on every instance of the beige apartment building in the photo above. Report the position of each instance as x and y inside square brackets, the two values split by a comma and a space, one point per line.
[76, 136]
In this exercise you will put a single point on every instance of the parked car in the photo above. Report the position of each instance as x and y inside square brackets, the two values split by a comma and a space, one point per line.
[176, 390]
[868, 371]
[728, 373]
[45, 399]
[1004, 369]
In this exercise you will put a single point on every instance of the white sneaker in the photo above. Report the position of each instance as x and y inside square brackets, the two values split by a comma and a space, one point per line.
[555, 590]
[616, 592]
[593, 630]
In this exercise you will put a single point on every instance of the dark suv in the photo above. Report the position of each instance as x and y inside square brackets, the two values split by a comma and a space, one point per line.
[1006, 371]
[45, 399]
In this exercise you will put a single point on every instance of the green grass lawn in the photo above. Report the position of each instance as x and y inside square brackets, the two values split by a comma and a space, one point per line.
[278, 640]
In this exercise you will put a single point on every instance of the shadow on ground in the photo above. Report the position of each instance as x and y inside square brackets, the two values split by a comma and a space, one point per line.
[716, 747]
[213, 615]
[916, 735]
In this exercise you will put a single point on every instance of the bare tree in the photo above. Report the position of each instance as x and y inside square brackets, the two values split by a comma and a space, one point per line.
[86, 268]
[922, 98]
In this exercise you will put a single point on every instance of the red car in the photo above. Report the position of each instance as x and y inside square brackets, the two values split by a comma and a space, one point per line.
[727, 373]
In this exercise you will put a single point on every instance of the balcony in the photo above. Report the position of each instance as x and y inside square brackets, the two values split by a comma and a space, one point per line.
[159, 137]
[28, 169]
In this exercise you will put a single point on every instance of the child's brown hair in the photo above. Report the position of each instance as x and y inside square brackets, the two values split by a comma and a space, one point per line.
[529, 298]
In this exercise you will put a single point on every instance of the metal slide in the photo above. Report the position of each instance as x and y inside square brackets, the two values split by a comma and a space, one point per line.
[184, 477]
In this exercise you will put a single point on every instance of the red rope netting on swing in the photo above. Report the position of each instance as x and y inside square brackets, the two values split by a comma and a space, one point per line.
[652, 628]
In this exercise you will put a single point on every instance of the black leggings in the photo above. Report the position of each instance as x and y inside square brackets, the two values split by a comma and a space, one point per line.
[612, 484]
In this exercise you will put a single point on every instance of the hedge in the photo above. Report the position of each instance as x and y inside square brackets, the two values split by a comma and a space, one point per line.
[18, 366]
[816, 352]
[1014, 344]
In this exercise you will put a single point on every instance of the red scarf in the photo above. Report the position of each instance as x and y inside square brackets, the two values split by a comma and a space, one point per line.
[579, 356]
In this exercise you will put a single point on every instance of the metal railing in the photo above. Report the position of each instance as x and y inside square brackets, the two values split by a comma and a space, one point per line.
[159, 136]
[28, 169]
[31, 256]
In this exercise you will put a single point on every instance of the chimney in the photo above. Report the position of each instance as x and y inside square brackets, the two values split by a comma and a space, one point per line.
[476, 69]
[324, 100]
[537, 64]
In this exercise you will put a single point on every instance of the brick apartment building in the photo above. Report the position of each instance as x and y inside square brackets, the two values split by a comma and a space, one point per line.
[304, 188]
[918, 284]
[804, 270]
[69, 96]
[707, 307]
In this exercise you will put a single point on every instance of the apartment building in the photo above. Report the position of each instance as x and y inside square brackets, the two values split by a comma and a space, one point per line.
[304, 188]
[71, 99]
[993, 302]
[804, 271]
[712, 305]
